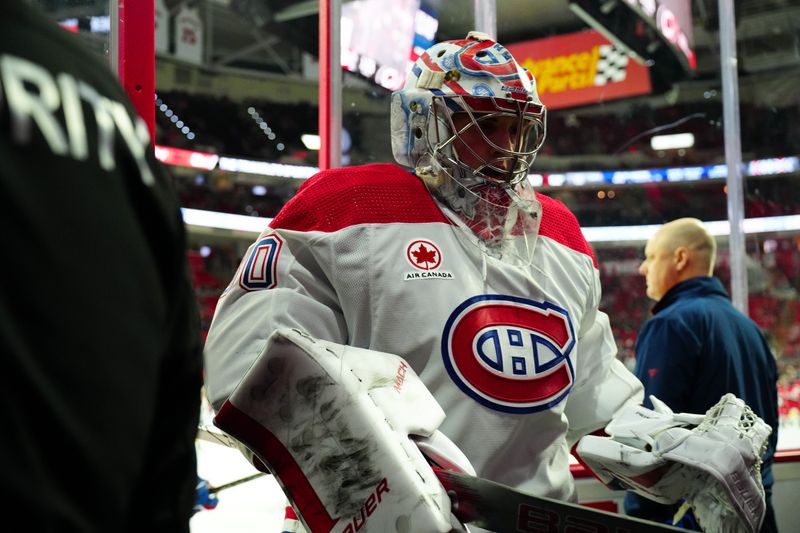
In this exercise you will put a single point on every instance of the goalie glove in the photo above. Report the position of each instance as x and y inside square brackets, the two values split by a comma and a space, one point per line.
[713, 461]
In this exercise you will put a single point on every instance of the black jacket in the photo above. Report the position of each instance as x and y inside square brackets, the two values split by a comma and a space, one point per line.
[100, 365]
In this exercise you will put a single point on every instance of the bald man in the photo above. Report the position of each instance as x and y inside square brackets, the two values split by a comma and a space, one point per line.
[697, 346]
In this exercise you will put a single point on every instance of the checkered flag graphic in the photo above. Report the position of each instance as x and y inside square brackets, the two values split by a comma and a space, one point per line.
[611, 65]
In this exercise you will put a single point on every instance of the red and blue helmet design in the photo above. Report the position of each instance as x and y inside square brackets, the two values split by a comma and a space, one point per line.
[475, 76]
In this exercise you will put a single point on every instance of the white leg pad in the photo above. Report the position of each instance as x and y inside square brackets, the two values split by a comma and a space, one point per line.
[332, 423]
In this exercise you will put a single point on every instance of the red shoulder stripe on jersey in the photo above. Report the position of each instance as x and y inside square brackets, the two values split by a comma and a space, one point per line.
[385, 193]
[559, 224]
[369, 194]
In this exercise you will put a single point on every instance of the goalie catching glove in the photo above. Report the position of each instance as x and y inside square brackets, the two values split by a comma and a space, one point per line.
[712, 461]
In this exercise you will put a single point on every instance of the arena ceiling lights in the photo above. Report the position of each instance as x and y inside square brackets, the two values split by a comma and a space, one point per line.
[759, 167]
[672, 142]
[227, 221]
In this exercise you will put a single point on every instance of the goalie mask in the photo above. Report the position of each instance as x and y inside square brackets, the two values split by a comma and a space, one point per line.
[469, 122]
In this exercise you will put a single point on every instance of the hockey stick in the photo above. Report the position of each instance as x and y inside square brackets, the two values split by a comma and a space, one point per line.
[497, 507]
[215, 490]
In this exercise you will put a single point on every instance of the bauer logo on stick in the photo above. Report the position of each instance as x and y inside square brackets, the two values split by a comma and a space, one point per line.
[510, 354]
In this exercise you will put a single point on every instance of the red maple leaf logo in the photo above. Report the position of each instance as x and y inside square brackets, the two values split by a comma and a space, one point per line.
[424, 256]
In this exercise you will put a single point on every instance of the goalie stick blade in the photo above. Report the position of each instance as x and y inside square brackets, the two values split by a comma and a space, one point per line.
[496, 507]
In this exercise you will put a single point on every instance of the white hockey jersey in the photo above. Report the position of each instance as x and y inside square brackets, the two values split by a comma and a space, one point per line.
[520, 358]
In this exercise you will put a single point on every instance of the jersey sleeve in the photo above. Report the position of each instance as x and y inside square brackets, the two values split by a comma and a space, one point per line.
[603, 385]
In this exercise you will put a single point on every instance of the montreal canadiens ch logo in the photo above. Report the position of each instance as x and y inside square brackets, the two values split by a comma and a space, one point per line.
[510, 354]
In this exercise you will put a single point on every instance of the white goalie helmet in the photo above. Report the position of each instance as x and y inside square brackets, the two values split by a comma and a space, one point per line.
[479, 80]
[469, 122]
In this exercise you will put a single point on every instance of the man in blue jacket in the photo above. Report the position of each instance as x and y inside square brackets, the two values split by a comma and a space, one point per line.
[698, 346]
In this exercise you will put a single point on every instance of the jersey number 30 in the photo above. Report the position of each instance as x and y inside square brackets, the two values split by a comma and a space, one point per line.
[259, 269]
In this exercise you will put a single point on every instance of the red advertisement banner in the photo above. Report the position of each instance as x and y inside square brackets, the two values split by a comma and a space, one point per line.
[580, 68]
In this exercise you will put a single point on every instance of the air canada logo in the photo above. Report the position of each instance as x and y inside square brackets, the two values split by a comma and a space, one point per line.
[510, 354]
[426, 258]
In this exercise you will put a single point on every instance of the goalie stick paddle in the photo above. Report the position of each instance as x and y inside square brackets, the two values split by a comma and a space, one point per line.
[497, 507]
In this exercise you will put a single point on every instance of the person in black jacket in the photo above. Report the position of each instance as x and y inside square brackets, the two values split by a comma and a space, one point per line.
[100, 362]
[698, 346]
